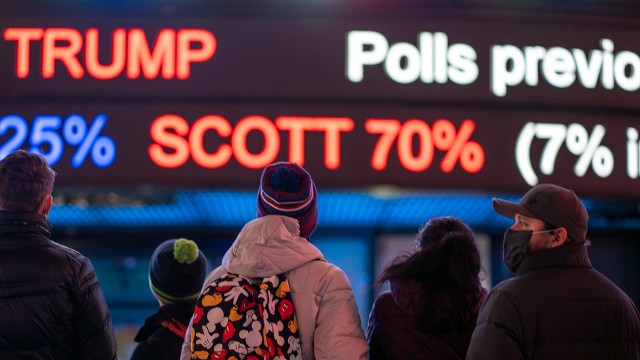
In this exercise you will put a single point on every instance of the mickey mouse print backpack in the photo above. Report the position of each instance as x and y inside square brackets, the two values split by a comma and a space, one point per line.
[239, 318]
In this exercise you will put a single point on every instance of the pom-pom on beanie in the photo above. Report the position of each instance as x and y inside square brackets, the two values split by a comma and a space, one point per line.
[177, 271]
[287, 189]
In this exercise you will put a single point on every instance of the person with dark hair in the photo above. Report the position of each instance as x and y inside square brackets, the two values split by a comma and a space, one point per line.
[557, 306]
[51, 303]
[435, 296]
[176, 273]
[275, 243]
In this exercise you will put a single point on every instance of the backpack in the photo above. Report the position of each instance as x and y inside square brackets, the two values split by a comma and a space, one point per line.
[240, 318]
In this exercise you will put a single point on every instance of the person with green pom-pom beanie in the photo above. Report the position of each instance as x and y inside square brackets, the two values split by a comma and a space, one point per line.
[177, 270]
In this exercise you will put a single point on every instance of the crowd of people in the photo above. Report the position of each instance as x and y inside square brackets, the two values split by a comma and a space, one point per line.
[275, 296]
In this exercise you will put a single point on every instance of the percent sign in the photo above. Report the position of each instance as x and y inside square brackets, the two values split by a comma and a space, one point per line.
[44, 135]
[103, 149]
[443, 136]
[588, 148]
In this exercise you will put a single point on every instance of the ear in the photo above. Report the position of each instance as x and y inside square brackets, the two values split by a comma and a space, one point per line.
[46, 205]
[560, 237]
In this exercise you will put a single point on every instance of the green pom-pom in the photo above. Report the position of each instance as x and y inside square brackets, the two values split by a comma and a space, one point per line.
[185, 251]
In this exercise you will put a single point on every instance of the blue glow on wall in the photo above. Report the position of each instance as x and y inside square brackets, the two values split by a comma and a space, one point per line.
[232, 209]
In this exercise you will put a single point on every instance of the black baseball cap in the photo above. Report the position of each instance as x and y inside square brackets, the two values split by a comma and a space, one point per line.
[553, 204]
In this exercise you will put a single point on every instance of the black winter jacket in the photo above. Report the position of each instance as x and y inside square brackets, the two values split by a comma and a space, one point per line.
[557, 307]
[162, 334]
[51, 304]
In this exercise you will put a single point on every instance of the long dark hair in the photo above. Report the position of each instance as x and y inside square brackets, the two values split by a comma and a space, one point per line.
[446, 266]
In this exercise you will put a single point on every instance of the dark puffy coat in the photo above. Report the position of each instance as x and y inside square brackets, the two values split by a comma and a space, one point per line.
[162, 334]
[51, 304]
[394, 332]
[557, 307]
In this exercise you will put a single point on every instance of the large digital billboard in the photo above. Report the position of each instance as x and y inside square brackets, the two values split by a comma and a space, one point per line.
[460, 103]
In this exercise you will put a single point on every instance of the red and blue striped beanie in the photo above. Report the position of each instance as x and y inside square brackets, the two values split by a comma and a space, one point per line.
[287, 189]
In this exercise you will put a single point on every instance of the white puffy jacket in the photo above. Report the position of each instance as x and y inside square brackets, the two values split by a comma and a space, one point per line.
[328, 319]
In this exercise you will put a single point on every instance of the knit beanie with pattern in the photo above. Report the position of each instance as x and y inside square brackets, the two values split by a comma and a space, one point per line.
[287, 189]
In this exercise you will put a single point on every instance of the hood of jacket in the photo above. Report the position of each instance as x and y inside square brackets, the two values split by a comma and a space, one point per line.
[267, 246]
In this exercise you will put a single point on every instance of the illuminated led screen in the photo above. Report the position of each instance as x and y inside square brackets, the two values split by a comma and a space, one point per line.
[497, 104]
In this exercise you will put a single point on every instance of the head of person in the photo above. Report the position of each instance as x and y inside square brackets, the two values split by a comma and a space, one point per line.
[446, 266]
[177, 270]
[26, 183]
[437, 229]
[287, 189]
[546, 217]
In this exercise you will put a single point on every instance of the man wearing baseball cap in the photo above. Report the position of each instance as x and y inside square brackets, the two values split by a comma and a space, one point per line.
[557, 306]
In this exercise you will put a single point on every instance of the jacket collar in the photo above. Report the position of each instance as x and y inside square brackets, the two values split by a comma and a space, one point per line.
[17, 222]
[571, 256]
[176, 314]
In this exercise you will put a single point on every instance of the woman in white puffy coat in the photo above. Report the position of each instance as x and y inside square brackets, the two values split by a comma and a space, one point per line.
[327, 313]
[328, 320]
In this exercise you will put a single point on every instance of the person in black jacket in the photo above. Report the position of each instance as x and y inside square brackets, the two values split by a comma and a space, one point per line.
[435, 297]
[557, 306]
[176, 273]
[51, 303]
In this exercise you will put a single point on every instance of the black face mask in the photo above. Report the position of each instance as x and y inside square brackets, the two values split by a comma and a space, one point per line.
[514, 247]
